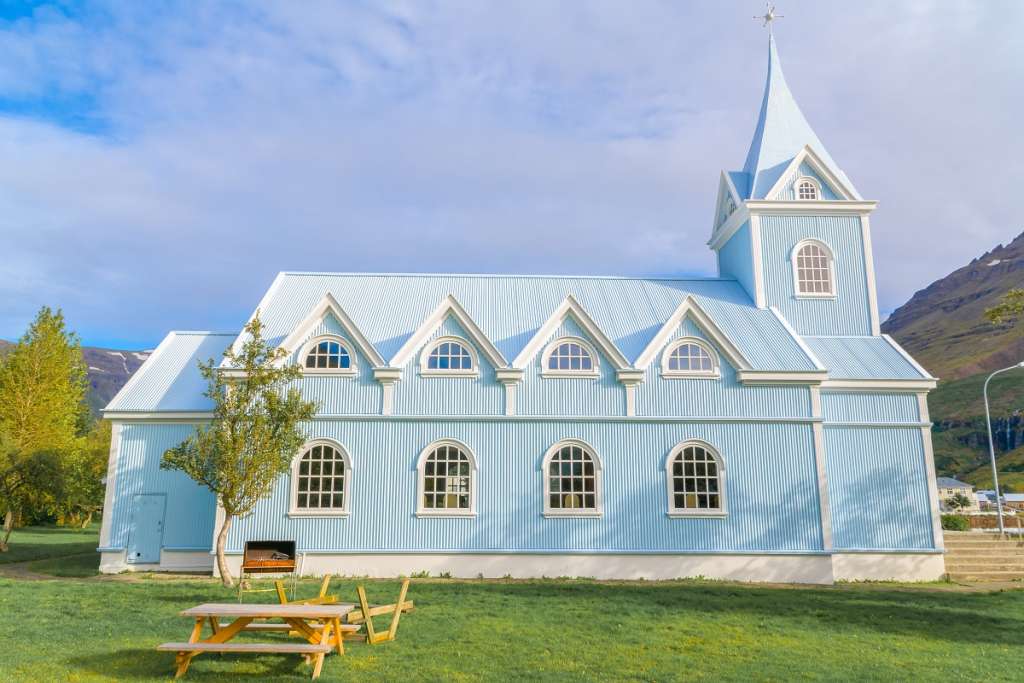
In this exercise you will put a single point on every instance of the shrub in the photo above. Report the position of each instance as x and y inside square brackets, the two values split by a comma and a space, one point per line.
[955, 523]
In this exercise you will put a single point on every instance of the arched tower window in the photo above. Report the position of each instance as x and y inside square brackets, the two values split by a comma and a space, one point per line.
[689, 357]
[448, 356]
[327, 354]
[696, 480]
[569, 357]
[807, 189]
[813, 270]
[572, 480]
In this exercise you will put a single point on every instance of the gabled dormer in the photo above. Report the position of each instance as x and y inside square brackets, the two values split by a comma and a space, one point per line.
[799, 239]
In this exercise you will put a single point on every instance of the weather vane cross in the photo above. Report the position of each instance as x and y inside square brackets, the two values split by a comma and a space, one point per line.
[769, 16]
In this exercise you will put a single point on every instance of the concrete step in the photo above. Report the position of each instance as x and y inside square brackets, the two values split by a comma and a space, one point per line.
[987, 576]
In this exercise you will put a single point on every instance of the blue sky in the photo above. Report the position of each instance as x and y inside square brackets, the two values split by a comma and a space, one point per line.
[162, 162]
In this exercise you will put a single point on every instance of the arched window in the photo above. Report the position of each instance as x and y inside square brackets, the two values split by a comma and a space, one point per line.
[327, 354]
[569, 357]
[572, 480]
[813, 269]
[696, 480]
[321, 479]
[448, 356]
[447, 480]
[689, 357]
[807, 188]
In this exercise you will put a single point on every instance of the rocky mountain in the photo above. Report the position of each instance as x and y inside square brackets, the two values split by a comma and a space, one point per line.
[108, 370]
[944, 327]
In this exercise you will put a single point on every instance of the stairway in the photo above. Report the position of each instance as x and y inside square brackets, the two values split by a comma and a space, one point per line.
[974, 556]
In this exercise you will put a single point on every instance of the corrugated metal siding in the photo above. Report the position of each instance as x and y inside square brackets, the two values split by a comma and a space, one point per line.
[846, 314]
[419, 395]
[510, 309]
[861, 358]
[877, 488]
[724, 397]
[771, 488]
[336, 395]
[190, 512]
[789, 193]
[537, 395]
[864, 407]
[170, 379]
[735, 259]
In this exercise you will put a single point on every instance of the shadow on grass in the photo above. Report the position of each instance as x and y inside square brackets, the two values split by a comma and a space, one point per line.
[40, 542]
[136, 663]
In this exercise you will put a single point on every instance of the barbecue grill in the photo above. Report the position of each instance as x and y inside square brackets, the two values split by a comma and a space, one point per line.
[266, 557]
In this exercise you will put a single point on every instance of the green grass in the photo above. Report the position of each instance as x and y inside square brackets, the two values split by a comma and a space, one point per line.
[43, 542]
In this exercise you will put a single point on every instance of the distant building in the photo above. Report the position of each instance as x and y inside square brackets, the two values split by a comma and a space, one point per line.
[1013, 501]
[949, 487]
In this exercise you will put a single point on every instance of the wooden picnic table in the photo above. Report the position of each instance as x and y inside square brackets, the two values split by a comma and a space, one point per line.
[319, 625]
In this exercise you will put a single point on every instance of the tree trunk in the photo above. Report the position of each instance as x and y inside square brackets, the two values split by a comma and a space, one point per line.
[88, 520]
[8, 526]
[222, 563]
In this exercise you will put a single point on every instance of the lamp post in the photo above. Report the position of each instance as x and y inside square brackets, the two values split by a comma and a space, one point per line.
[991, 446]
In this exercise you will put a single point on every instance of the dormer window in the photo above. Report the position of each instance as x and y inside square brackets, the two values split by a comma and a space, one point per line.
[689, 357]
[328, 354]
[807, 189]
[813, 270]
[449, 356]
[569, 357]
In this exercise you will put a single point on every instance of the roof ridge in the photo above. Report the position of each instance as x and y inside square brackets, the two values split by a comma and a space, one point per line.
[641, 278]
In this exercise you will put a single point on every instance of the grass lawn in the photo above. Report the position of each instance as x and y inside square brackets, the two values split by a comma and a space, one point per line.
[105, 629]
[42, 542]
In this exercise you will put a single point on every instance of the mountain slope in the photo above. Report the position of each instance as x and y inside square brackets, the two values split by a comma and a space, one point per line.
[108, 370]
[943, 325]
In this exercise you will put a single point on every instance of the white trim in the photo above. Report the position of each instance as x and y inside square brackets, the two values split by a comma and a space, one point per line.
[421, 463]
[730, 227]
[757, 262]
[907, 357]
[690, 307]
[929, 467]
[448, 306]
[797, 338]
[758, 377]
[872, 384]
[329, 305]
[831, 257]
[630, 400]
[825, 207]
[869, 275]
[387, 403]
[714, 373]
[598, 509]
[688, 513]
[293, 484]
[553, 345]
[111, 484]
[570, 306]
[429, 347]
[510, 398]
[820, 465]
[307, 348]
[154, 416]
[819, 166]
[730, 190]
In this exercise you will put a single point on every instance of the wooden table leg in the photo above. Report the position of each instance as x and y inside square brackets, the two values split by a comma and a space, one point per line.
[325, 635]
[338, 637]
[183, 659]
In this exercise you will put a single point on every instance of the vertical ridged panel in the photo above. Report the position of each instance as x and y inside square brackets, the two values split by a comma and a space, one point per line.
[337, 395]
[865, 407]
[789, 192]
[877, 488]
[722, 397]
[735, 259]
[189, 516]
[848, 313]
[861, 358]
[417, 394]
[770, 484]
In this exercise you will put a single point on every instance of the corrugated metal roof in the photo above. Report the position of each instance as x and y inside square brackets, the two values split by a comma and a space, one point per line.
[169, 380]
[509, 309]
[862, 358]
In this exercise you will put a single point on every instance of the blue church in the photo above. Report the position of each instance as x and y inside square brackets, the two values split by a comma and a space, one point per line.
[753, 426]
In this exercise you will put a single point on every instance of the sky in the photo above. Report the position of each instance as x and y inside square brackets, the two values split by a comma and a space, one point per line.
[163, 161]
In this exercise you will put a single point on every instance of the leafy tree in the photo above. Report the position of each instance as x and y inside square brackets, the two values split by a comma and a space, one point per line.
[80, 486]
[42, 391]
[958, 501]
[1009, 309]
[254, 434]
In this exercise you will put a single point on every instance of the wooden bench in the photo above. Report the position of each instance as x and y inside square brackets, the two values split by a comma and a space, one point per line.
[283, 648]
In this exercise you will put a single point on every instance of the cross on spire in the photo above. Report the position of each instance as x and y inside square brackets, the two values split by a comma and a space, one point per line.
[769, 16]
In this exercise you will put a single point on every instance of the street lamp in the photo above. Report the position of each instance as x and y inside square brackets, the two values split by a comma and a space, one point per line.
[991, 446]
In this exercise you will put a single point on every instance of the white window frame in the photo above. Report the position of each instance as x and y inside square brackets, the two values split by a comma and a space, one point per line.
[666, 372]
[448, 372]
[293, 485]
[796, 271]
[350, 371]
[687, 513]
[421, 466]
[806, 179]
[595, 359]
[598, 510]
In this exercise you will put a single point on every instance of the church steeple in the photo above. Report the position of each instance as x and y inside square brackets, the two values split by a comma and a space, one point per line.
[781, 133]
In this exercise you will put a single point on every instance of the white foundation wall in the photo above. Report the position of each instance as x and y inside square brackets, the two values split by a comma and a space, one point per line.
[888, 566]
[170, 561]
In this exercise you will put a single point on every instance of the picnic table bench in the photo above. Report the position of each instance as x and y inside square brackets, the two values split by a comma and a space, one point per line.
[320, 625]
